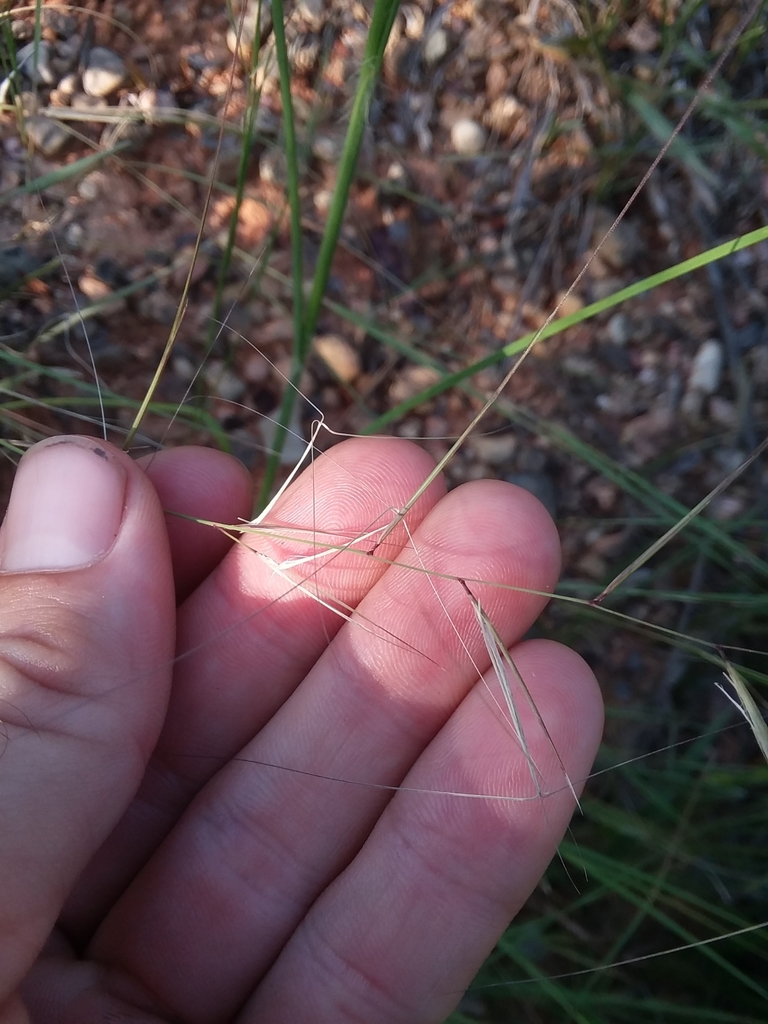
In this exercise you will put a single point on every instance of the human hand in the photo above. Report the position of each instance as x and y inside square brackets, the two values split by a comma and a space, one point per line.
[231, 844]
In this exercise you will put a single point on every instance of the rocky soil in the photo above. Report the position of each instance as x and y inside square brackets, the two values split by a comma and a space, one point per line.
[497, 154]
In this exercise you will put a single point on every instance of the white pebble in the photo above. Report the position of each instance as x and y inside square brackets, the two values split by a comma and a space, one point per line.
[105, 72]
[467, 137]
[436, 46]
[222, 381]
[322, 200]
[339, 356]
[327, 148]
[67, 86]
[707, 367]
[619, 329]
[504, 113]
[91, 185]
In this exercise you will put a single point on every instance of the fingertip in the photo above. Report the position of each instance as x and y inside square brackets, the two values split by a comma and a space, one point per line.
[517, 515]
[569, 698]
[508, 539]
[365, 472]
[66, 506]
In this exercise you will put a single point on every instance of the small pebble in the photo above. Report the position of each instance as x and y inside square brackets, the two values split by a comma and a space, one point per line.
[184, 368]
[411, 428]
[339, 356]
[592, 566]
[729, 460]
[467, 137]
[327, 148]
[411, 381]
[435, 46]
[707, 367]
[105, 72]
[267, 122]
[91, 185]
[223, 382]
[68, 51]
[436, 427]
[725, 507]
[60, 23]
[39, 70]
[568, 304]
[93, 287]
[74, 235]
[397, 173]
[22, 30]
[258, 12]
[504, 113]
[67, 86]
[643, 36]
[322, 201]
[619, 329]
[303, 54]
[398, 134]
[276, 331]
[493, 449]
[273, 166]
[256, 368]
[46, 135]
[604, 492]
[579, 366]
[313, 13]
[505, 285]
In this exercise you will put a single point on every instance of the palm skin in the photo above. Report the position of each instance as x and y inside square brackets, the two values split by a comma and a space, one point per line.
[263, 827]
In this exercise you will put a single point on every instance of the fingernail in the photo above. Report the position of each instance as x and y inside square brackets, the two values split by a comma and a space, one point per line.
[65, 509]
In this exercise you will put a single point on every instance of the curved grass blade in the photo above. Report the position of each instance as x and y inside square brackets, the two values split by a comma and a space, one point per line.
[680, 525]
[747, 706]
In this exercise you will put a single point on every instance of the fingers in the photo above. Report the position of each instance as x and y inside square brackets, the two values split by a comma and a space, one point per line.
[260, 628]
[203, 484]
[401, 933]
[264, 842]
[86, 642]
[248, 636]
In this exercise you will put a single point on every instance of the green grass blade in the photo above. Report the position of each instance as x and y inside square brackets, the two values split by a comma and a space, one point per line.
[680, 525]
[450, 380]
[662, 129]
[61, 174]
[381, 23]
[300, 340]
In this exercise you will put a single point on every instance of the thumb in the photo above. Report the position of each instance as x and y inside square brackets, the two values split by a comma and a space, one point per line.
[86, 645]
